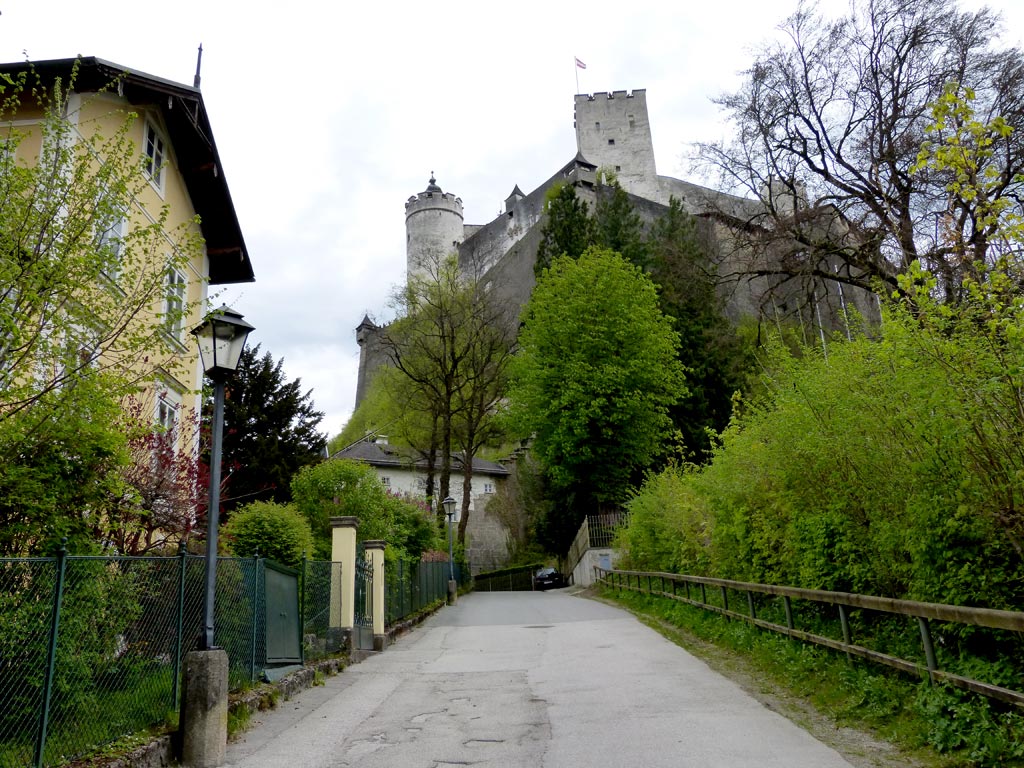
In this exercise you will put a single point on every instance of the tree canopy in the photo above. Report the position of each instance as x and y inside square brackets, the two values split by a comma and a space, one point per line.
[827, 128]
[270, 431]
[450, 346]
[340, 487]
[594, 377]
[676, 251]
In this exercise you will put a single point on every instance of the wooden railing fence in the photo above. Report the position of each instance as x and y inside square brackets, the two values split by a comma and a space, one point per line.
[922, 612]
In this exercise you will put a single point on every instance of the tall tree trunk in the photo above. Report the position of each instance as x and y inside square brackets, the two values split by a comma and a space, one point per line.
[467, 497]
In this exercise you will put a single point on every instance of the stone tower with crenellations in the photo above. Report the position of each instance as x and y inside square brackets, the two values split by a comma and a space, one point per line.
[434, 228]
[613, 131]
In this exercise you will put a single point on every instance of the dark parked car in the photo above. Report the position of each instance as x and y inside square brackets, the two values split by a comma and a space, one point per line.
[546, 578]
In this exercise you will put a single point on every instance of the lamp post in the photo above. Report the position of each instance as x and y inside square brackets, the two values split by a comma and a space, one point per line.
[449, 510]
[221, 340]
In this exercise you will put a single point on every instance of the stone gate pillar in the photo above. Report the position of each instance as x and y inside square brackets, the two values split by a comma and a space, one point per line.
[375, 553]
[343, 584]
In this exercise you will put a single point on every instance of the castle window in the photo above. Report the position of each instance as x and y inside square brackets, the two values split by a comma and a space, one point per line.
[631, 123]
[618, 168]
[597, 126]
[611, 142]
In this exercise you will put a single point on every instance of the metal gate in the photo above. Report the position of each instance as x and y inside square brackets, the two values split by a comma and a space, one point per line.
[283, 621]
[362, 632]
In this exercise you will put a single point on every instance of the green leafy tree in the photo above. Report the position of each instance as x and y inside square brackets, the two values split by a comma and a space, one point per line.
[594, 377]
[277, 531]
[617, 226]
[451, 344]
[270, 431]
[980, 342]
[340, 487]
[57, 474]
[568, 230]
[983, 214]
[76, 301]
[425, 344]
[711, 350]
[676, 254]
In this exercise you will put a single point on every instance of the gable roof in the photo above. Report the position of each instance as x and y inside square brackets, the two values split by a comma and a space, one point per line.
[188, 125]
[384, 455]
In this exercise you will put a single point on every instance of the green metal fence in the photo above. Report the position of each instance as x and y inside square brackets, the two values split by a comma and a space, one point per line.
[321, 619]
[410, 587]
[518, 579]
[91, 647]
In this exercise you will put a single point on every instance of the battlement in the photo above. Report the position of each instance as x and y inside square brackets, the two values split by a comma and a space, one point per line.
[445, 200]
[613, 95]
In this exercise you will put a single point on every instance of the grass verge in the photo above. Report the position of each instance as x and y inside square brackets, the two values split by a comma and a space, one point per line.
[875, 717]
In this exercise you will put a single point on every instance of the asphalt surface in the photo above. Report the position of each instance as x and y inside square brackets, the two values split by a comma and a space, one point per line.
[542, 679]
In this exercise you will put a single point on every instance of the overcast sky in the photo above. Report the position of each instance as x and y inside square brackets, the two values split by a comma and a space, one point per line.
[328, 116]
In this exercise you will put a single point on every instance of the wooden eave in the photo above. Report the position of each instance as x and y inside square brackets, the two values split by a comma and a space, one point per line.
[189, 133]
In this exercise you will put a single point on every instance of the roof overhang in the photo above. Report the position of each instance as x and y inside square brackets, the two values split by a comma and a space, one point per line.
[191, 136]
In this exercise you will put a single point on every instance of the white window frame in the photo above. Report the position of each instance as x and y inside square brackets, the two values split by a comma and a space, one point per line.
[385, 481]
[175, 294]
[488, 487]
[113, 238]
[74, 354]
[154, 153]
[167, 413]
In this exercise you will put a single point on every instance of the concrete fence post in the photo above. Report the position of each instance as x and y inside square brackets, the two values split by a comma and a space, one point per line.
[375, 551]
[343, 584]
[204, 709]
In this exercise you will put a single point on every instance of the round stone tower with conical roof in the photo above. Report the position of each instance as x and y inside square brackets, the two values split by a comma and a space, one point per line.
[433, 229]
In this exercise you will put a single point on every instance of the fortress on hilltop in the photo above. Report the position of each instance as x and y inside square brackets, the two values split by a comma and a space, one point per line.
[613, 133]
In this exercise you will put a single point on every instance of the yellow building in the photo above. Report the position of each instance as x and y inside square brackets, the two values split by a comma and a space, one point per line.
[152, 198]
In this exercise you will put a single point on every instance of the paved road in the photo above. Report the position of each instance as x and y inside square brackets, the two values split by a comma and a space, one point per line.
[539, 680]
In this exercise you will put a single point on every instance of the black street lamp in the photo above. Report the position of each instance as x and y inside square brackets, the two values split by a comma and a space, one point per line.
[221, 340]
[449, 510]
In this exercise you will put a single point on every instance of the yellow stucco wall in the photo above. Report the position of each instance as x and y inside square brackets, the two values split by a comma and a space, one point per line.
[177, 366]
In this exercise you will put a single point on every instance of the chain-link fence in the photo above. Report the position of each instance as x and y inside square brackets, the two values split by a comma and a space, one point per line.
[91, 647]
[321, 617]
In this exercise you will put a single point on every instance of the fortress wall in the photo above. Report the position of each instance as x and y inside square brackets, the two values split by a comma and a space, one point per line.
[487, 538]
[489, 243]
